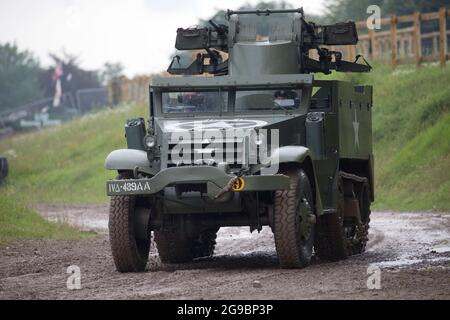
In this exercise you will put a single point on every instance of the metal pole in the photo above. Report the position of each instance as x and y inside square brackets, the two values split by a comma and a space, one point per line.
[443, 36]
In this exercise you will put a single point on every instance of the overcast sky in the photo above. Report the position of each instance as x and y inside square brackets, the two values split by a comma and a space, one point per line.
[138, 33]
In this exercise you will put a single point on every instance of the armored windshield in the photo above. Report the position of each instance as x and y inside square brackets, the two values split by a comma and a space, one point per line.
[195, 101]
[265, 28]
[243, 100]
[278, 99]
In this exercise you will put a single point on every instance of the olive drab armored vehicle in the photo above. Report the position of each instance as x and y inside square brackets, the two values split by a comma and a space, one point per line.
[246, 136]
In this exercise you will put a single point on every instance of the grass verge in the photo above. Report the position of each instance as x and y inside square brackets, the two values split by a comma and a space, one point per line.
[17, 222]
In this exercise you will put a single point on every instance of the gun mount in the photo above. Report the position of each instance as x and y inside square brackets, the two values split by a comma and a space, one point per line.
[290, 41]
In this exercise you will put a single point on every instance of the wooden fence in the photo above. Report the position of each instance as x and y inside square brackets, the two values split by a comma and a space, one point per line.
[403, 40]
[124, 90]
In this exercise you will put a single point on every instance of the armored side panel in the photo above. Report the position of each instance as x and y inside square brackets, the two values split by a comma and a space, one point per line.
[355, 121]
[344, 113]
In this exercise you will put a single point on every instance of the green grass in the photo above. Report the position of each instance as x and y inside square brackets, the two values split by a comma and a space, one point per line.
[411, 122]
[412, 138]
[58, 165]
[17, 222]
[417, 177]
[66, 164]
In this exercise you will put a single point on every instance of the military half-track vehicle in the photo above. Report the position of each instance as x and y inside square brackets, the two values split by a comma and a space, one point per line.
[246, 136]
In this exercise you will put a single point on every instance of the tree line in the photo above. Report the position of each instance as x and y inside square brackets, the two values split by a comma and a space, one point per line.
[343, 10]
[23, 79]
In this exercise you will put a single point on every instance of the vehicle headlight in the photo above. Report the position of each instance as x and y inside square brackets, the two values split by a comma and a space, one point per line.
[149, 141]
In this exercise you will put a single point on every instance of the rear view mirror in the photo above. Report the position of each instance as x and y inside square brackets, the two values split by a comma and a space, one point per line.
[339, 34]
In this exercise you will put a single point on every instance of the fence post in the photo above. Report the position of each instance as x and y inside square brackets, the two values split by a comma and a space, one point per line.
[372, 43]
[352, 52]
[347, 52]
[443, 36]
[394, 40]
[417, 39]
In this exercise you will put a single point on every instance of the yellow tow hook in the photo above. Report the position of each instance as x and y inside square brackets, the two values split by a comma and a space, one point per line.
[235, 184]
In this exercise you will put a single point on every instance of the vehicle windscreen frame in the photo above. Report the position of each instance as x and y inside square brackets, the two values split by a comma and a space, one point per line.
[157, 93]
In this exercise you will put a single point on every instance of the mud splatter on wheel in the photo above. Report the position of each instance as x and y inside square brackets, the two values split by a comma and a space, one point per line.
[294, 221]
[345, 232]
[205, 243]
[362, 230]
[330, 242]
[130, 248]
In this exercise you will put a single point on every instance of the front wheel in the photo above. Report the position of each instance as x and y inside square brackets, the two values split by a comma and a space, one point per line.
[129, 250]
[294, 221]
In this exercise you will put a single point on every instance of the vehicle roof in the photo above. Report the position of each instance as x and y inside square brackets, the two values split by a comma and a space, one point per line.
[230, 81]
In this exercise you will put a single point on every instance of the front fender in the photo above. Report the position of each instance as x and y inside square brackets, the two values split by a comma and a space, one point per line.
[302, 156]
[287, 154]
[127, 159]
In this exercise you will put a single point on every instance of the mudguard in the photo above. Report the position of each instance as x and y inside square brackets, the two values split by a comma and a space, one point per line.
[302, 156]
[288, 154]
[127, 159]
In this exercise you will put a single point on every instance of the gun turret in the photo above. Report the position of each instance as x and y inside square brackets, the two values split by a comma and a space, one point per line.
[300, 39]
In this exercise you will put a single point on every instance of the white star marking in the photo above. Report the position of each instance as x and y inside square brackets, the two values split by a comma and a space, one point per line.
[215, 124]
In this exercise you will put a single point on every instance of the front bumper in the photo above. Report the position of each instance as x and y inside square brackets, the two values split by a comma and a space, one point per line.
[217, 182]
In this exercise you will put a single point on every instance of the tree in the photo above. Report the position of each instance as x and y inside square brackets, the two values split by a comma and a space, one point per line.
[74, 78]
[344, 10]
[341, 10]
[219, 16]
[409, 6]
[110, 71]
[19, 77]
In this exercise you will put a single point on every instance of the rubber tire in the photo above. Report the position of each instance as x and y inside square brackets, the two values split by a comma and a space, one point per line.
[331, 242]
[129, 253]
[291, 253]
[205, 244]
[179, 248]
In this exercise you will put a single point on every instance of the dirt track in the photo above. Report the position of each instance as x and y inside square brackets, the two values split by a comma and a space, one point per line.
[412, 250]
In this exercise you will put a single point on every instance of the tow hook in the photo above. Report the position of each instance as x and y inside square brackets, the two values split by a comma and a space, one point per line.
[228, 187]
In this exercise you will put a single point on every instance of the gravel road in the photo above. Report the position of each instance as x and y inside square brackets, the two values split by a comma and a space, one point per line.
[410, 252]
